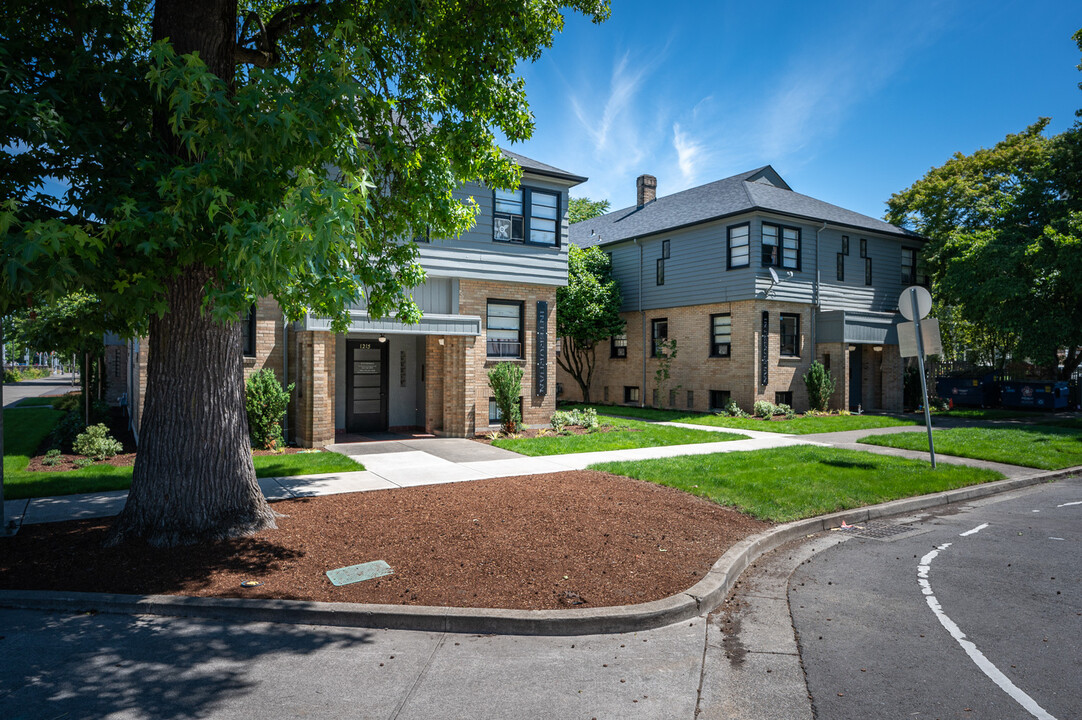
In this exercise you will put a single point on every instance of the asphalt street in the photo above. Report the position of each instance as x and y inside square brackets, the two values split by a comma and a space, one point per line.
[972, 614]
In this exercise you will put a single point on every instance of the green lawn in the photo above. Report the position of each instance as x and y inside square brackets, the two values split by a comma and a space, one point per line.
[987, 414]
[46, 402]
[790, 483]
[630, 434]
[797, 426]
[24, 431]
[1039, 446]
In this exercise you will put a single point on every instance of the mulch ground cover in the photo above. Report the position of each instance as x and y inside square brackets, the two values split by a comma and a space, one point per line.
[571, 539]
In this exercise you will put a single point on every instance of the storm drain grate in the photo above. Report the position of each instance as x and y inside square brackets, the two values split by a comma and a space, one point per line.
[882, 532]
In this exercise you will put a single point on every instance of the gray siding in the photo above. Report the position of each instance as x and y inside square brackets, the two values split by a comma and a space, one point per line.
[696, 274]
[474, 255]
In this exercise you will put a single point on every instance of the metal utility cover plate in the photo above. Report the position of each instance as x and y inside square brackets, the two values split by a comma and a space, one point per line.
[357, 573]
[887, 533]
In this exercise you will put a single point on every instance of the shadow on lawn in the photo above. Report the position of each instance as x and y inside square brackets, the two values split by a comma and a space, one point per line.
[849, 464]
[168, 668]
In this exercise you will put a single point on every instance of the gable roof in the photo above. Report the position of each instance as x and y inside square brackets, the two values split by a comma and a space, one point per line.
[759, 189]
[540, 168]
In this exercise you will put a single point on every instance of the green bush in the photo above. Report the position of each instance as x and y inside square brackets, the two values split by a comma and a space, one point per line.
[505, 379]
[785, 410]
[95, 442]
[764, 409]
[266, 403]
[820, 384]
[64, 432]
[12, 376]
[585, 417]
[733, 410]
[69, 402]
[83, 462]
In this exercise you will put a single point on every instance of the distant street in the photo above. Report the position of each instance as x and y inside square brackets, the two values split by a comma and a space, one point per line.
[977, 614]
[57, 384]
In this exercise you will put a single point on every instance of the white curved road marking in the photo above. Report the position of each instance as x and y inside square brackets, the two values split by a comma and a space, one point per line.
[1077, 502]
[974, 531]
[982, 662]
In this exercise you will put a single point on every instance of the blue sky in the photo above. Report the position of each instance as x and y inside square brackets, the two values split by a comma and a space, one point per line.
[849, 101]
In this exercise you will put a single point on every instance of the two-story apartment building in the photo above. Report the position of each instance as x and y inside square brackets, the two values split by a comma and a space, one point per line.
[489, 296]
[754, 282]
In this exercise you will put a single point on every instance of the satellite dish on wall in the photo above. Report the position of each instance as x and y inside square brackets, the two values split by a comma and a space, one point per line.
[773, 276]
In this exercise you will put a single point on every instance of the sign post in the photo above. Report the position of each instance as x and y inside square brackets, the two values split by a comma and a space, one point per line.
[914, 304]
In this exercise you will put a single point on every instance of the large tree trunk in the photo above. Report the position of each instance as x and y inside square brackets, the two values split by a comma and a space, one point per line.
[193, 479]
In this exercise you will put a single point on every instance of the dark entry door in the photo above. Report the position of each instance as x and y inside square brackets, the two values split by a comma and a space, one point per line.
[366, 386]
[856, 379]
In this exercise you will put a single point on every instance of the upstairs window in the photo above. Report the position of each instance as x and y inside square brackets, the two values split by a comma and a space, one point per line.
[738, 246]
[721, 334]
[912, 268]
[526, 215]
[841, 267]
[781, 246]
[868, 271]
[504, 329]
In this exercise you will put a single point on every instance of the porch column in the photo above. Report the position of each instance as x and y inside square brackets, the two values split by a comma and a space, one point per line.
[893, 379]
[315, 388]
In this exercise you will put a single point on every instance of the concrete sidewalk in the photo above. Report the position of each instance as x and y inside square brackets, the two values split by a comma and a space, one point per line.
[394, 464]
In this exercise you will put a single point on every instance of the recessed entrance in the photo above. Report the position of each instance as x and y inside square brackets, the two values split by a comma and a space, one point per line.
[366, 386]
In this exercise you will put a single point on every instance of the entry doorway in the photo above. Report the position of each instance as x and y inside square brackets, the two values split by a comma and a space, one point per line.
[366, 386]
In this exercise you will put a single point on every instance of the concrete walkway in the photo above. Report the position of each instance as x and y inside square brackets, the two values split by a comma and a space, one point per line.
[410, 462]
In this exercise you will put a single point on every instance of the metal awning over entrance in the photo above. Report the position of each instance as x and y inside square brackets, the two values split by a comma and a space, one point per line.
[857, 327]
[430, 324]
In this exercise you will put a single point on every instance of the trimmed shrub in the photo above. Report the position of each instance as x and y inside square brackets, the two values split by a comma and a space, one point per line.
[96, 442]
[820, 384]
[764, 409]
[785, 410]
[505, 379]
[266, 403]
[12, 376]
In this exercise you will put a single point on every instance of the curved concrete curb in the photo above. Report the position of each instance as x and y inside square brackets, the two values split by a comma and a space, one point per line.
[704, 596]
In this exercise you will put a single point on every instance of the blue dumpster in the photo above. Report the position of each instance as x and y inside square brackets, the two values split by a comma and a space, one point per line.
[1034, 395]
[964, 391]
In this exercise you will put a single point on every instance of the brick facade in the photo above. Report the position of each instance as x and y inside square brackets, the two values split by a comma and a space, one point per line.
[694, 370]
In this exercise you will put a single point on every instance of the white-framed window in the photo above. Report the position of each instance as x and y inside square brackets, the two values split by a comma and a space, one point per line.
[618, 346]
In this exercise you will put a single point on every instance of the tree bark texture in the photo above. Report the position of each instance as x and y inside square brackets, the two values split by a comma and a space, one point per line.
[193, 479]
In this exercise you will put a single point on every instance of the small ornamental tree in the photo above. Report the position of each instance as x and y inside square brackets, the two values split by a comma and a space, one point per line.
[820, 384]
[505, 379]
[587, 312]
[666, 353]
[266, 403]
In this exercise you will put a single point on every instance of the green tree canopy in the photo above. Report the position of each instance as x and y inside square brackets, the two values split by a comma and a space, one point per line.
[587, 312]
[579, 209]
[1005, 231]
[211, 158]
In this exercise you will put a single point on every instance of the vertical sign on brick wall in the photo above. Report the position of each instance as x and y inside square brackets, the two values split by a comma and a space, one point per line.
[541, 342]
[764, 350]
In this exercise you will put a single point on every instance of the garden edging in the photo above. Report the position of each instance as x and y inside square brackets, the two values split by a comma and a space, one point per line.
[702, 597]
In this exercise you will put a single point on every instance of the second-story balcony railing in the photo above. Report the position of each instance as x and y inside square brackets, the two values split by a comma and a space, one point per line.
[503, 348]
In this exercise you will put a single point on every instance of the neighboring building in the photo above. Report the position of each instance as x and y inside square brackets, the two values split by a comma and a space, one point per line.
[754, 282]
[489, 297]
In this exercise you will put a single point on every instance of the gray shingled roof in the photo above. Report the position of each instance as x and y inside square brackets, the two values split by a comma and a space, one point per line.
[731, 196]
[541, 168]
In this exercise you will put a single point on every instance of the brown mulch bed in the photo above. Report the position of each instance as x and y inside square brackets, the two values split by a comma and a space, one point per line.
[542, 432]
[571, 539]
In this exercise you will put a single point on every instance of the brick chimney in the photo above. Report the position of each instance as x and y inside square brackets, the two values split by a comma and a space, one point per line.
[645, 190]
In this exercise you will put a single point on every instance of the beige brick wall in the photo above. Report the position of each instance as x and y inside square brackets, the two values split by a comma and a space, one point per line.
[693, 369]
[839, 369]
[473, 300]
[268, 340]
[313, 415]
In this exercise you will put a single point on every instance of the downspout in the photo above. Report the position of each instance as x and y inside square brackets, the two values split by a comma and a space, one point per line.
[642, 323]
[815, 292]
[285, 373]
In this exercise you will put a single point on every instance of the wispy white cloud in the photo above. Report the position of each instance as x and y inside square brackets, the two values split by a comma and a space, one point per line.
[690, 153]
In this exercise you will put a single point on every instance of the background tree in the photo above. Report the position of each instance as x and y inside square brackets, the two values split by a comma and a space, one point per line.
[587, 312]
[194, 144]
[579, 209]
[1005, 225]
